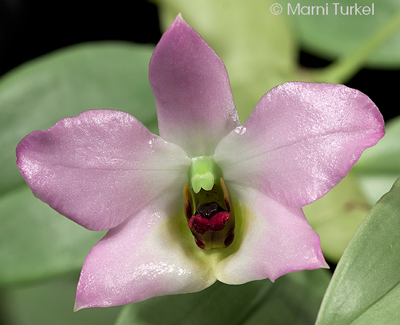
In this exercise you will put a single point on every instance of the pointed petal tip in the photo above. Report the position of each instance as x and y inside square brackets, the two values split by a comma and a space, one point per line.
[179, 21]
[324, 265]
[179, 17]
[78, 306]
[318, 260]
[320, 264]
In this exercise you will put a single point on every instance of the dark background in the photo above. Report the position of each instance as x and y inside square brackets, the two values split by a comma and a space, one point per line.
[31, 28]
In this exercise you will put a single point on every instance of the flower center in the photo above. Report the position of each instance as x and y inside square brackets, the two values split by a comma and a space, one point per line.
[213, 222]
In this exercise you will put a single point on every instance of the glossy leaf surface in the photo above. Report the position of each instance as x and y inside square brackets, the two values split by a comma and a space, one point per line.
[365, 287]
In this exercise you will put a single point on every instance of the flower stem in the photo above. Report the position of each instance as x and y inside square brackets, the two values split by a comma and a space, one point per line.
[347, 66]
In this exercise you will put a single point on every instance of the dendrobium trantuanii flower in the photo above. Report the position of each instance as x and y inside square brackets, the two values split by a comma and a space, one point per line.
[239, 218]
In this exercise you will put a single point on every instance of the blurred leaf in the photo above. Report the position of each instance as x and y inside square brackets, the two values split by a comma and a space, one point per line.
[64, 83]
[336, 216]
[379, 166]
[36, 242]
[333, 35]
[256, 46]
[383, 158]
[51, 303]
[365, 288]
[374, 186]
[292, 299]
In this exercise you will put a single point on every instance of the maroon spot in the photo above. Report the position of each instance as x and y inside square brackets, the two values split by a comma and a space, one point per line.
[216, 223]
[199, 243]
[229, 239]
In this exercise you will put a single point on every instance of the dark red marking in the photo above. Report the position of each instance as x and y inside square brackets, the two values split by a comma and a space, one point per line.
[216, 223]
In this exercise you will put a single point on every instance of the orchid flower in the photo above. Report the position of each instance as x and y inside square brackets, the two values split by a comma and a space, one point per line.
[209, 199]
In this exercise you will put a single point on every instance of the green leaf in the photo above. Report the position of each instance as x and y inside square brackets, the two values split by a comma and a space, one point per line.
[50, 302]
[67, 82]
[336, 216]
[257, 47]
[36, 242]
[383, 158]
[379, 166]
[292, 299]
[331, 34]
[365, 286]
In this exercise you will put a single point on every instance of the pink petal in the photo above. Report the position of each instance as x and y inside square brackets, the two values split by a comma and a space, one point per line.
[144, 257]
[300, 140]
[191, 88]
[99, 167]
[276, 240]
